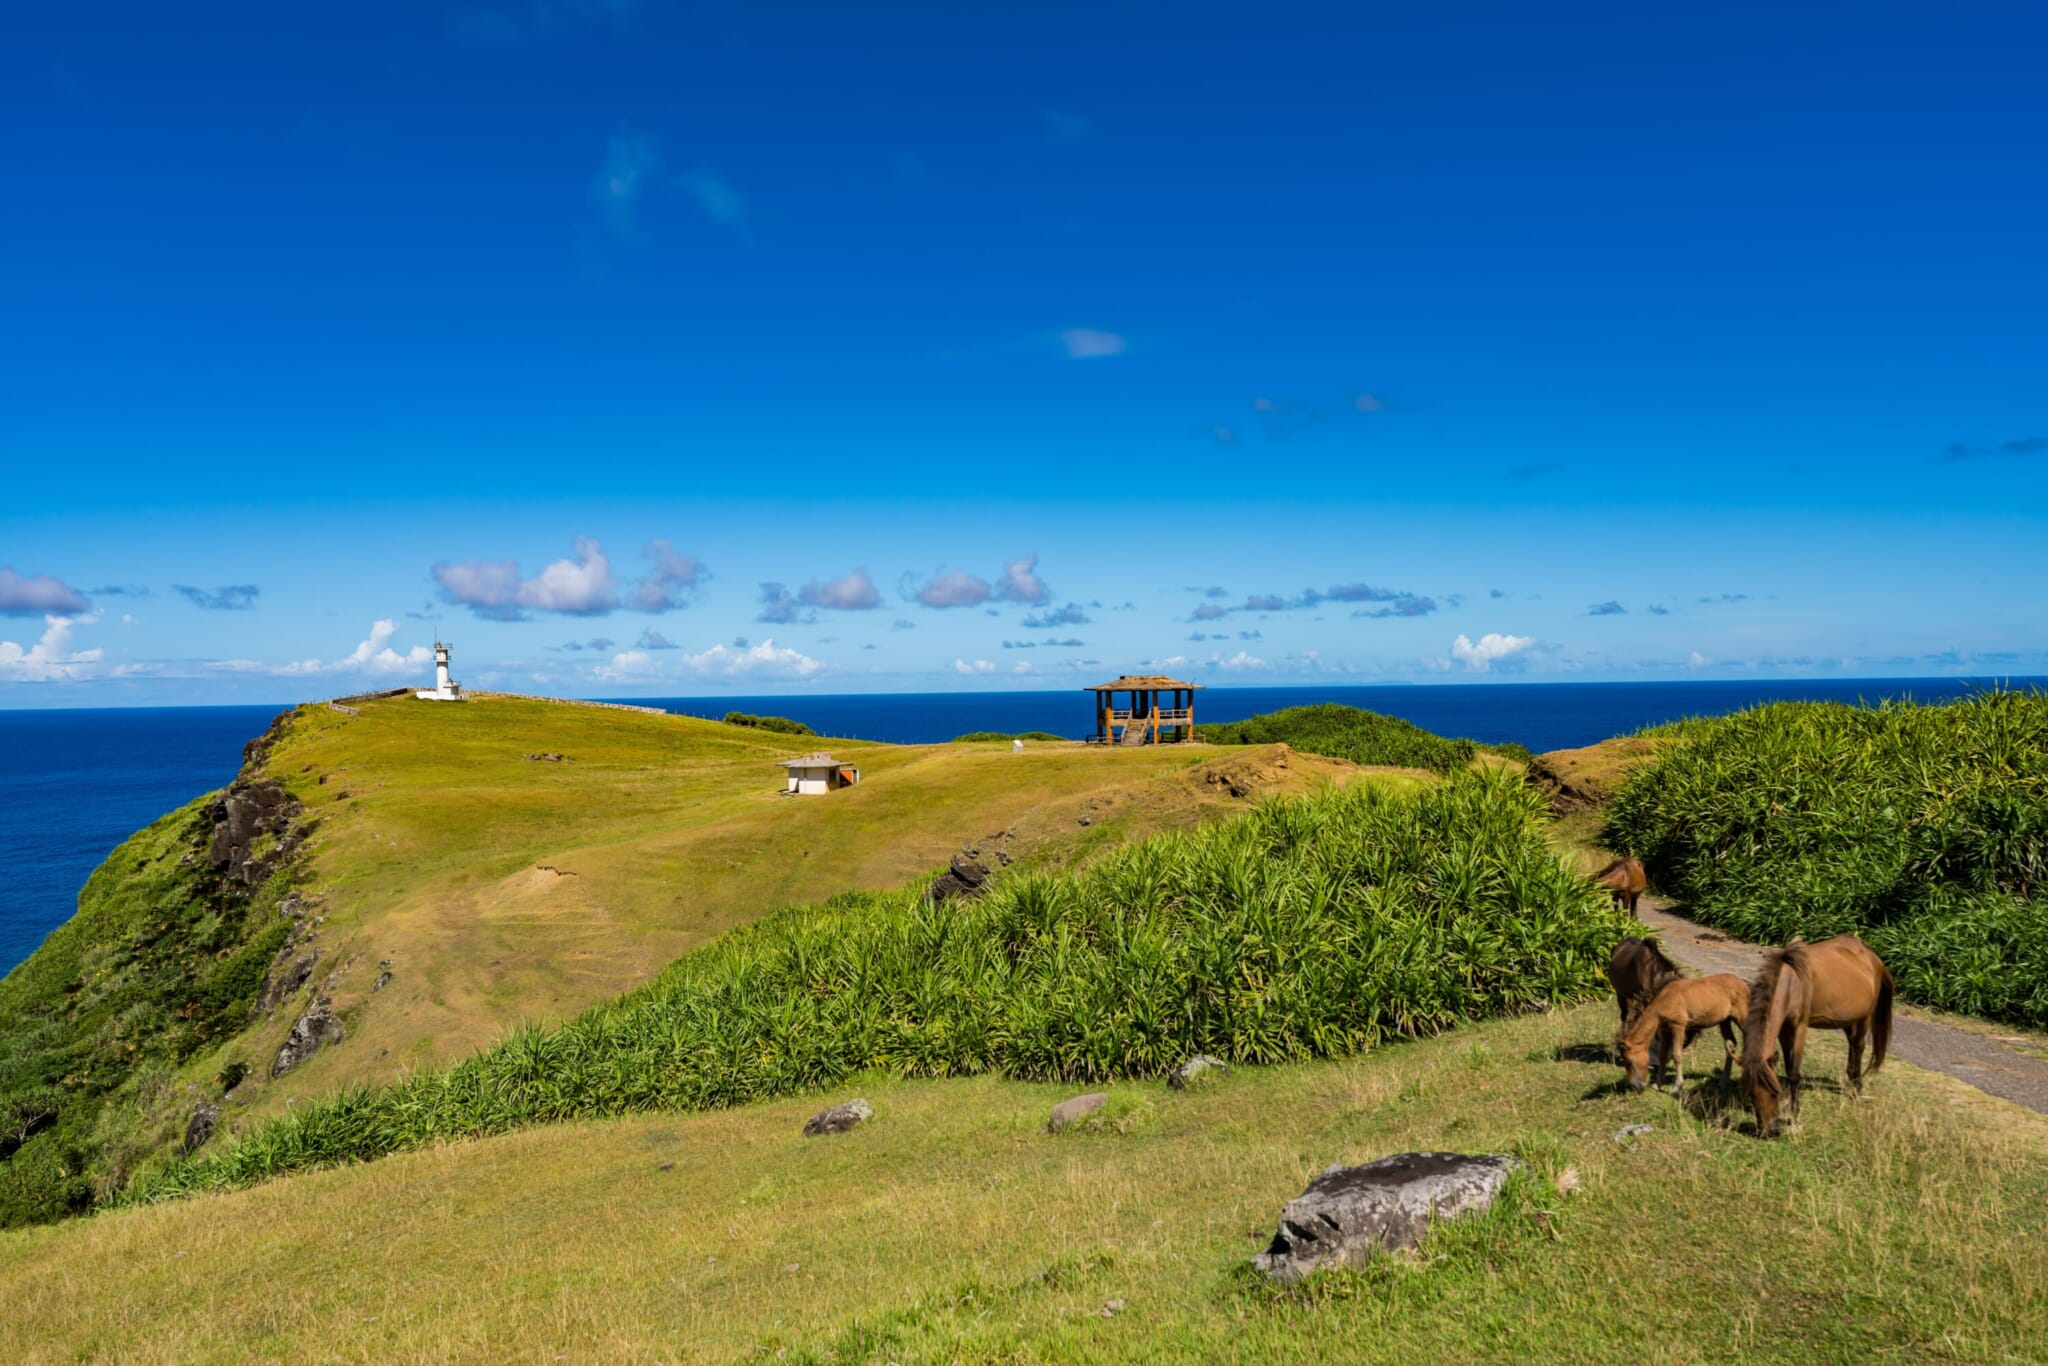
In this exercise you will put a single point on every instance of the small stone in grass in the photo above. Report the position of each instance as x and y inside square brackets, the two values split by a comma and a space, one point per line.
[1111, 1308]
[1568, 1182]
[837, 1119]
[1629, 1131]
[1185, 1075]
[1079, 1108]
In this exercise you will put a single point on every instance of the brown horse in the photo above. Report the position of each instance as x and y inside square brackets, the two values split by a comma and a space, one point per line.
[1635, 971]
[1625, 881]
[1674, 1018]
[1835, 984]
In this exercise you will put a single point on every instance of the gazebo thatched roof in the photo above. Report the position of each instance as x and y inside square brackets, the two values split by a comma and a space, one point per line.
[1141, 683]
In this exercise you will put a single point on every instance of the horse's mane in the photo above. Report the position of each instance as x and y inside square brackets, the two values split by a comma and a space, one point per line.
[1664, 968]
[1767, 1012]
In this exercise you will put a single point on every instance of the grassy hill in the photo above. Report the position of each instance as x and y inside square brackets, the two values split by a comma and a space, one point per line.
[468, 869]
[953, 1227]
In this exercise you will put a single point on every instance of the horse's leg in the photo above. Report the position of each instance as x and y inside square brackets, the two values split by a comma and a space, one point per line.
[1632, 897]
[1681, 1036]
[1792, 1038]
[1857, 1033]
[1728, 1050]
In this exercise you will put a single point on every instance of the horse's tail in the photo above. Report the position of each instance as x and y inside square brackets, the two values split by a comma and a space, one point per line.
[1881, 1018]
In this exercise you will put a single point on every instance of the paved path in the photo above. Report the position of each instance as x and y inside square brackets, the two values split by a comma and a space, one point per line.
[1984, 1061]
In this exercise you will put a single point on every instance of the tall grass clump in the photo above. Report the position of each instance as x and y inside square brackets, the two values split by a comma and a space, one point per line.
[1924, 829]
[1309, 928]
[1363, 737]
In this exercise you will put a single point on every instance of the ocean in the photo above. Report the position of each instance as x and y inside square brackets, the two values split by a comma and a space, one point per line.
[76, 783]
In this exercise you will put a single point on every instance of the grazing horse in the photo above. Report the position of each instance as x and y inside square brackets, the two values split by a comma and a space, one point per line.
[1625, 881]
[1675, 1016]
[1635, 971]
[1835, 984]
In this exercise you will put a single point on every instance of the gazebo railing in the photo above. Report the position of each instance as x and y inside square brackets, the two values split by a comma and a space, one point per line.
[1165, 715]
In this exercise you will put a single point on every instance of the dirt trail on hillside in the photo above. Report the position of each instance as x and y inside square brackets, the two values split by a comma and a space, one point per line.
[1987, 1062]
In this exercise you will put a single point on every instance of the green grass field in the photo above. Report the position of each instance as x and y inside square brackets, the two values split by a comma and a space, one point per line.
[953, 1227]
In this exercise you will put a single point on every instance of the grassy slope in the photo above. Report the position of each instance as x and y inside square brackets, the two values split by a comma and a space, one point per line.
[502, 889]
[160, 960]
[953, 1226]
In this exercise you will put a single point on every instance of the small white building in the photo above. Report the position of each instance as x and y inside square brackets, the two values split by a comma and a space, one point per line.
[445, 689]
[816, 774]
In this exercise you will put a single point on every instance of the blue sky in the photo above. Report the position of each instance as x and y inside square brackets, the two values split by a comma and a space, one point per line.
[645, 350]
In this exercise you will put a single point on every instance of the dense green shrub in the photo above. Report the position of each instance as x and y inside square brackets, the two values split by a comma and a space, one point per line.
[1363, 737]
[781, 725]
[974, 735]
[1308, 928]
[1922, 828]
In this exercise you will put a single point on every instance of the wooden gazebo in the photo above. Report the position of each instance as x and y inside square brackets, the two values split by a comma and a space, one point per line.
[1158, 705]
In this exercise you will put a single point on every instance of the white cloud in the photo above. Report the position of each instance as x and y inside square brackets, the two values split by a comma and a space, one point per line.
[1020, 582]
[371, 655]
[37, 595]
[955, 588]
[631, 163]
[1696, 660]
[979, 666]
[672, 580]
[854, 593]
[1243, 660]
[1023, 667]
[492, 589]
[51, 659]
[1490, 649]
[764, 660]
[737, 660]
[626, 665]
[1087, 343]
[719, 200]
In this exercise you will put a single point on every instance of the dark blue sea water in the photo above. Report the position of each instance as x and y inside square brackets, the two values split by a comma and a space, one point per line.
[73, 784]
[1540, 715]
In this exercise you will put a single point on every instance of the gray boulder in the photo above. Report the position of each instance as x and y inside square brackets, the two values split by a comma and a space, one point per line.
[285, 977]
[837, 1119]
[1194, 1069]
[1073, 1111]
[1349, 1213]
[963, 877]
[200, 1128]
[313, 1031]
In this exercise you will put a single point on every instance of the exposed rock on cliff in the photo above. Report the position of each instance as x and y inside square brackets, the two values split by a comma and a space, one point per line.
[242, 816]
[317, 1028]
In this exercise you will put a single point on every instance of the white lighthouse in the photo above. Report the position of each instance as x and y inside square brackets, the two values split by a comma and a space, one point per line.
[445, 689]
